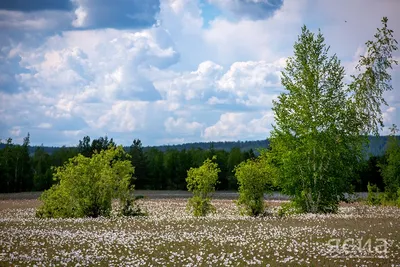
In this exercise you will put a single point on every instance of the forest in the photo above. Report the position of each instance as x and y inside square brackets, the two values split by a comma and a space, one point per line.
[30, 168]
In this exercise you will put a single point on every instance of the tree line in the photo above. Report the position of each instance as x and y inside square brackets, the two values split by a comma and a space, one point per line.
[376, 146]
[155, 168]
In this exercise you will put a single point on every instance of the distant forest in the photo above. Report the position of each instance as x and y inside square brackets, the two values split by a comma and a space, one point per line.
[30, 168]
[377, 146]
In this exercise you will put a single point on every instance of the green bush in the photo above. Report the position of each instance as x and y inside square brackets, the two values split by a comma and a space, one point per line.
[201, 182]
[200, 206]
[374, 198]
[377, 198]
[289, 208]
[391, 168]
[86, 186]
[131, 208]
[398, 198]
[253, 176]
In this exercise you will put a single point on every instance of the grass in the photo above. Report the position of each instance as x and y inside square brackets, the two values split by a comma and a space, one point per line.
[171, 237]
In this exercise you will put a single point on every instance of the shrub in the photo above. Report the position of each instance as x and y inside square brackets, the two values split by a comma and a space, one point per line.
[202, 181]
[131, 208]
[391, 168]
[253, 176]
[374, 197]
[86, 186]
[289, 208]
[398, 198]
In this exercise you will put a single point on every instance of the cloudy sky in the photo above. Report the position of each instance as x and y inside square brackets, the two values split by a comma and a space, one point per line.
[165, 71]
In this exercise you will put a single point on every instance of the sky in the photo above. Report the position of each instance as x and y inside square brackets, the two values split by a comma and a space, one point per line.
[166, 71]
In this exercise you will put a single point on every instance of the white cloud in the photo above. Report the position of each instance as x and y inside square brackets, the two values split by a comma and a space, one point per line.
[124, 116]
[253, 83]
[81, 16]
[246, 40]
[15, 131]
[190, 85]
[73, 134]
[240, 126]
[215, 100]
[44, 125]
[181, 126]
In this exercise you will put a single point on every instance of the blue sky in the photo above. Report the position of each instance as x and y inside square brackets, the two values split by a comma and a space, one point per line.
[165, 71]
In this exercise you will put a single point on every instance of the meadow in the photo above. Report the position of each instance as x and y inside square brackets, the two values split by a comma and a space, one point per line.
[358, 235]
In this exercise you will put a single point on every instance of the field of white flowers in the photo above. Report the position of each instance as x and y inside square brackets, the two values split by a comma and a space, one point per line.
[357, 236]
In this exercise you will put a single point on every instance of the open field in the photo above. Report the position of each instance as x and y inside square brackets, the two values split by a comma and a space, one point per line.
[171, 237]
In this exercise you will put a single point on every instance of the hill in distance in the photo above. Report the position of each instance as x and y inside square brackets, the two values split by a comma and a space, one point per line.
[376, 147]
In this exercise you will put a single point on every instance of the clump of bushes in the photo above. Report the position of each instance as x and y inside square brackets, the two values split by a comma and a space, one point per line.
[254, 177]
[289, 208]
[131, 208]
[201, 182]
[86, 186]
[374, 197]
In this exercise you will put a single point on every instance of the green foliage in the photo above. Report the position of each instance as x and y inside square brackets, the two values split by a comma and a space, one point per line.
[131, 208]
[200, 206]
[234, 159]
[391, 169]
[311, 140]
[253, 176]
[62, 155]
[374, 196]
[139, 160]
[162, 169]
[377, 198]
[398, 198]
[289, 208]
[369, 172]
[155, 168]
[373, 80]
[97, 145]
[15, 167]
[201, 182]
[86, 186]
[42, 173]
[316, 140]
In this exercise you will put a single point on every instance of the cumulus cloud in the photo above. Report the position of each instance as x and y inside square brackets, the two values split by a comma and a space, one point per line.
[231, 126]
[246, 40]
[108, 61]
[190, 85]
[67, 72]
[124, 116]
[253, 83]
[181, 126]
